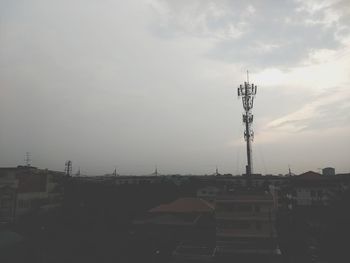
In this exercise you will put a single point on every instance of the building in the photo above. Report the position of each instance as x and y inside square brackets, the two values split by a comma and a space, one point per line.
[246, 226]
[124, 179]
[313, 189]
[179, 229]
[256, 181]
[25, 189]
[189, 252]
[328, 171]
[208, 193]
[185, 219]
[8, 191]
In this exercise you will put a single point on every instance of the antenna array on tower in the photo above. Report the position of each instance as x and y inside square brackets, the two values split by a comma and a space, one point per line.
[248, 91]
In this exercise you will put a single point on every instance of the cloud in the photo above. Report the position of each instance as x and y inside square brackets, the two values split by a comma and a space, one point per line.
[202, 19]
[328, 111]
[258, 34]
[134, 83]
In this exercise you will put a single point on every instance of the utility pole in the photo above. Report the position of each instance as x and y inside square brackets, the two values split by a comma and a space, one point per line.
[68, 168]
[217, 171]
[248, 91]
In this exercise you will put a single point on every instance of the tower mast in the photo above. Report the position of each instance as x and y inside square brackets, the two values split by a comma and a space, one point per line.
[248, 91]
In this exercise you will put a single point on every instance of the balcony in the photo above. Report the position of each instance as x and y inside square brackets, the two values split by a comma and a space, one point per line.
[263, 216]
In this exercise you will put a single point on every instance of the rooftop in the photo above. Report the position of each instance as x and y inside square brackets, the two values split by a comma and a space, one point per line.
[310, 175]
[227, 232]
[168, 219]
[184, 205]
[246, 197]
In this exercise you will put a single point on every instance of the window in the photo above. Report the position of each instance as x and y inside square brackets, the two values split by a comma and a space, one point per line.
[5, 203]
[233, 224]
[258, 225]
[244, 208]
[20, 204]
[257, 208]
[224, 207]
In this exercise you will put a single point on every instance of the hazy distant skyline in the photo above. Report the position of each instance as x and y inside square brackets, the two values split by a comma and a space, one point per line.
[134, 84]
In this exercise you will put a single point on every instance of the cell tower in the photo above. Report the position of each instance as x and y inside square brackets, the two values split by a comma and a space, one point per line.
[68, 168]
[248, 91]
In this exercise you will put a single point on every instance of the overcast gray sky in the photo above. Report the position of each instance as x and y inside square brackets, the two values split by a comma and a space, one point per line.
[131, 84]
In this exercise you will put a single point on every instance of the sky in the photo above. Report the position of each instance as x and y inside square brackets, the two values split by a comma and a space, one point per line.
[137, 84]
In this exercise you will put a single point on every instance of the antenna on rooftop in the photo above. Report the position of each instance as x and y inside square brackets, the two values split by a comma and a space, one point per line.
[289, 171]
[217, 171]
[248, 91]
[27, 159]
[115, 171]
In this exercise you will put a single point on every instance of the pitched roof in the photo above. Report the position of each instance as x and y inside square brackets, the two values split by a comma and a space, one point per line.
[184, 205]
[169, 219]
[310, 175]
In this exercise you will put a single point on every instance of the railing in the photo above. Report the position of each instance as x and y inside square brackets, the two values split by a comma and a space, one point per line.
[250, 215]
